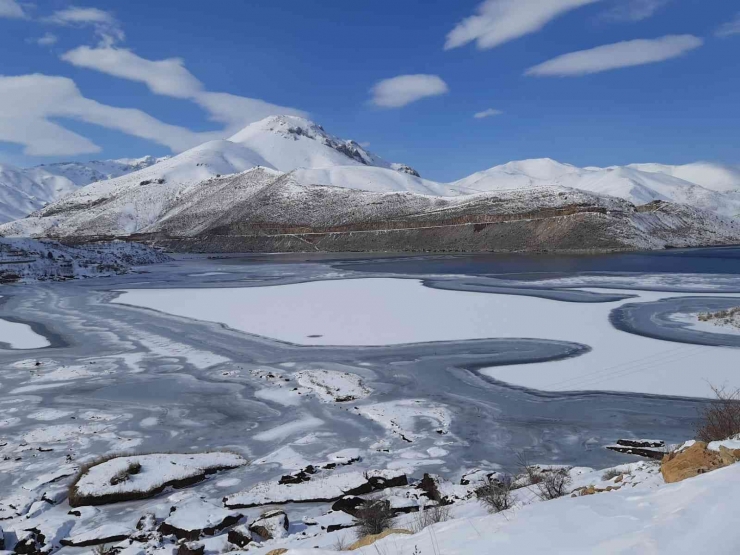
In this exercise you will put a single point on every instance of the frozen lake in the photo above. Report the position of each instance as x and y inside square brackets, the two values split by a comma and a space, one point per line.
[289, 360]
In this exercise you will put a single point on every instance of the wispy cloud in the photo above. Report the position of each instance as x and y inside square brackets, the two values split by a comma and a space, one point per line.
[487, 113]
[405, 89]
[170, 77]
[29, 104]
[618, 55]
[634, 10]
[47, 40]
[11, 9]
[105, 24]
[729, 28]
[499, 21]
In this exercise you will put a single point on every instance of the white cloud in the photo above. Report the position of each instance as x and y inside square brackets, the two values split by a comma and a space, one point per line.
[236, 112]
[11, 9]
[28, 103]
[405, 89]
[729, 28]
[47, 40]
[635, 10]
[499, 21]
[618, 55]
[167, 77]
[106, 26]
[487, 113]
[170, 77]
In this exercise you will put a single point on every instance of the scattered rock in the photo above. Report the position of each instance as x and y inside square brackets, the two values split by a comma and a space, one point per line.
[348, 505]
[271, 525]
[191, 548]
[29, 542]
[196, 519]
[147, 523]
[240, 536]
[369, 540]
[279, 551]
[107, 533]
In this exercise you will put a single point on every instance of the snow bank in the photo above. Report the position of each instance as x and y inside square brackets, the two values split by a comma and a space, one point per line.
[141, 476]
[320, 488]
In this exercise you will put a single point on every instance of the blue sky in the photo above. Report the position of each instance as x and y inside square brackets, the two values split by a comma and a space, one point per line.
[324, 58]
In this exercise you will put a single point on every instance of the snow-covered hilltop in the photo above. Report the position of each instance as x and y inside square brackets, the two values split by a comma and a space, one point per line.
[705, 186]
[284, 183]
[23, 191]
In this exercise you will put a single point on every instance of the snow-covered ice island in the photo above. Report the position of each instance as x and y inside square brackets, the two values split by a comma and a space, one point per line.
[266, 403]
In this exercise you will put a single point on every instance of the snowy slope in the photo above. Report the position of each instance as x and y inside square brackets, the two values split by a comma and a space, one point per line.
[26, 190]
[715, 177]
[21, 193]
[671, 518]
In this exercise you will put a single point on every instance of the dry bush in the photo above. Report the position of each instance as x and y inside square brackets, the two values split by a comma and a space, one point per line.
[496, 494]
[613, 473]
[719, 419]
[531, 471]
[124, 474]
[374, 517]
[554, 484]
[430, 515]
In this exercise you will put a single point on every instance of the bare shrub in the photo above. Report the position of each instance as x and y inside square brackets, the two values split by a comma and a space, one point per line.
[374, 517]
[496, 494]
[341, 543]
[430, 515]
[719, 419]
[554, 484]
[124, 474]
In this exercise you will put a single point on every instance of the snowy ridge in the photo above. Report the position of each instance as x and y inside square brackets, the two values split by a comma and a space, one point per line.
[638, 184]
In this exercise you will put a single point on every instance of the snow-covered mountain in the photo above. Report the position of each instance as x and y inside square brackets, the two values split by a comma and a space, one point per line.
[25, 190]
[715, 188]
[287, 162]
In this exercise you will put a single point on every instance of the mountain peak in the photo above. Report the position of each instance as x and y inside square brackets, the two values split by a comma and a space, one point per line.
[310, 143]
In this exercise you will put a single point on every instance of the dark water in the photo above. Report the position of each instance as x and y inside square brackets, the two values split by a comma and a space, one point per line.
[724, 260]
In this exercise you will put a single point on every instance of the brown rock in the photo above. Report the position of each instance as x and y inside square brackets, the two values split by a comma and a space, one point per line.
[729, 456]
[278, 551]
[689, 463]
[369, 540]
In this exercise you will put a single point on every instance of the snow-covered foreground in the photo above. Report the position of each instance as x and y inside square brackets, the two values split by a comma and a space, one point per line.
[674, 518]
[398, 311]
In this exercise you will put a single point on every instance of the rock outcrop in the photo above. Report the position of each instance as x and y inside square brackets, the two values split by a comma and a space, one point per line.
[694, 460]
[271, 525]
